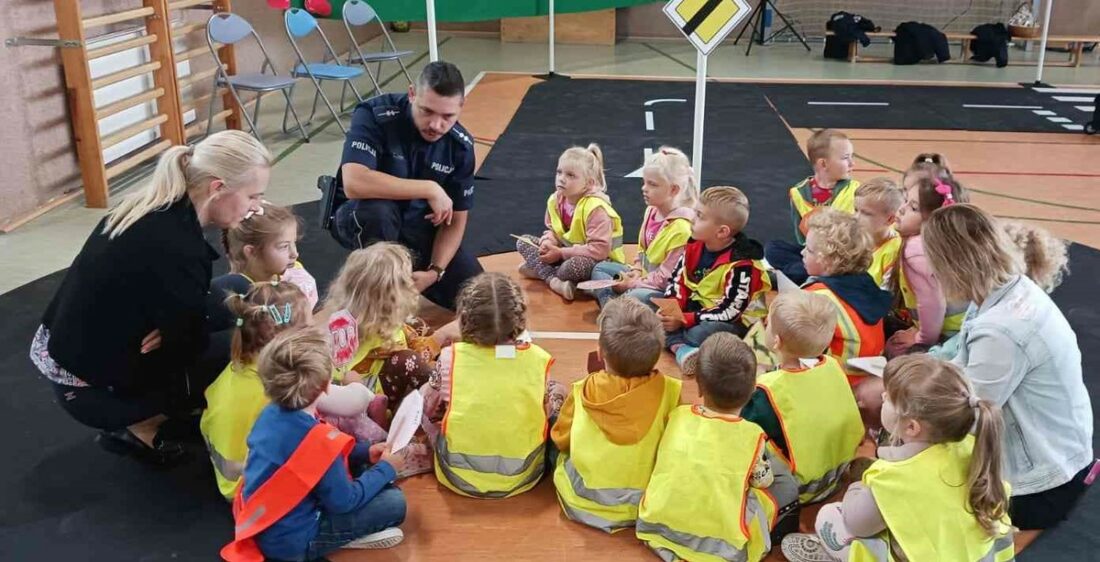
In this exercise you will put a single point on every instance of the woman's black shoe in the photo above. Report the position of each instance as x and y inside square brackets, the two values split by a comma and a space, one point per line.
[163, 453]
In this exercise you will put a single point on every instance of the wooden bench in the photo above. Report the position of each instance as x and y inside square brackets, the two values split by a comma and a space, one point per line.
[1076, 44]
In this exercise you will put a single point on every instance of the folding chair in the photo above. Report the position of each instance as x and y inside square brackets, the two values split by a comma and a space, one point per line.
[300, 23]
[357, 14]
[228, 29]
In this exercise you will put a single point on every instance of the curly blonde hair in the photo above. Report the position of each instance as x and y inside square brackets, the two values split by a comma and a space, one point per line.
[842, 244]
[1044, 255]
[296, 368]
[491, 310]
[376, 287]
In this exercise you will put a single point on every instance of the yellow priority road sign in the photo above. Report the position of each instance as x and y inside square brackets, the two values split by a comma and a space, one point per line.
[706, 22]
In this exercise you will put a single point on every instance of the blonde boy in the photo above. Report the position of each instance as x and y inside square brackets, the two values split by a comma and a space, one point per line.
[806, 406]
[720, 281]
[877, 204]
[611, 423]
[830, 153]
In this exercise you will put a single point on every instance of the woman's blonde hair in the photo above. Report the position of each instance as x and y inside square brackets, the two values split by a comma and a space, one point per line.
[231, 156]
[491, 310]
[376, 287]
[257, 231]
[672, 166]
[844, 245]
[969, 252]
[296, 368]
[1043, 254]
[935, 393]
[590, 160]
[267, 309]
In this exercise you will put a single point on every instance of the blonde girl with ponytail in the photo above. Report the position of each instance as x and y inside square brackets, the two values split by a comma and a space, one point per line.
[670, 193]
[938, 493]
[582, 228]
[129, 323]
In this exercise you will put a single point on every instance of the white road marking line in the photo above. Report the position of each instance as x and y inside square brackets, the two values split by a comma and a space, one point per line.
[983, 106]
[1074, 127]
[649, 120]
[638, 173]
[1067, 91]
[1076, 99]
[876, 103]
[470, 86]
[664, 100]
[1088, 108]
[566, 335]
[1044, 112]
[1058, 120]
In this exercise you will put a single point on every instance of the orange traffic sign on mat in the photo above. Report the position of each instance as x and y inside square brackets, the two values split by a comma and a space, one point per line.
[706, 22]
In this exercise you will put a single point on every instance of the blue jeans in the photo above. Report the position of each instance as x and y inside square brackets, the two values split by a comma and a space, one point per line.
[697, 334]
[787, 257]
[607, 270]
[386, 510]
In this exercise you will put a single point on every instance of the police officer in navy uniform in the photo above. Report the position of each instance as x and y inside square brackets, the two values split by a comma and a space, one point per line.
[407, 176]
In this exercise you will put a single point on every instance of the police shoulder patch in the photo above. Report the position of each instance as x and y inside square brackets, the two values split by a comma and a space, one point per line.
[384, 113]
[459, 132]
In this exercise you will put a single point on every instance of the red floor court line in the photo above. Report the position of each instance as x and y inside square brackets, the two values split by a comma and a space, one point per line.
[975, 173]
[971, 141]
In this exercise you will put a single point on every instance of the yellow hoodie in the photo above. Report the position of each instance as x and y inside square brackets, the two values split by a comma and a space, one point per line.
[622, 407]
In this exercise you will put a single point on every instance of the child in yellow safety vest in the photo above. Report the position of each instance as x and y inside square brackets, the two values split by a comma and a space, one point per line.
[720, 282]
[670, 193]
[612, 421]
[715, 494]
[930, 318]
[937, 494]
[830, 153]
[806, 406]
[492, 395]
[234, 400]
[877, 204]
[582, 228]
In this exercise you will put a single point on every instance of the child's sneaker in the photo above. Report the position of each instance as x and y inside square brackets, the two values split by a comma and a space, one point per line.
[687, 357]
[567, 289]
[386, 538]
[802, 547]
[527, 272]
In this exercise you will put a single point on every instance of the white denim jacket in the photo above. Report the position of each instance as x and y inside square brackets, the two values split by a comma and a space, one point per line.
[1019, 352]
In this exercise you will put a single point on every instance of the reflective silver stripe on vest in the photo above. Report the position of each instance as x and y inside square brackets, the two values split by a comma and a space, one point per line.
[442, 456]
[617, 242]
[665, 554]
[822, 487]
[228, 469]
[592, 520]
[490, 464]
[611, 497]
[878, 548]
[754, 509]
[1003, 542]
[256, 514]
[707, 545]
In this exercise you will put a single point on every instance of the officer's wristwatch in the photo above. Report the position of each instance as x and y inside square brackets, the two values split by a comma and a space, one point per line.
[439, 271]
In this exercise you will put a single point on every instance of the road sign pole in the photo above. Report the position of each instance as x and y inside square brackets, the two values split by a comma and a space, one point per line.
[551, 35]
[433, 46]
[700, 110]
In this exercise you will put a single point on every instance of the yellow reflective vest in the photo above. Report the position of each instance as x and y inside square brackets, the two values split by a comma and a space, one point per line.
[884, 260]
[843, 198]
[820, 421]
[924, 501]
[600, 483]
[698, 505]
[672, 236]
[575, 234]
[233, 402]
[952, 318]
[370, 367]
[492, 442]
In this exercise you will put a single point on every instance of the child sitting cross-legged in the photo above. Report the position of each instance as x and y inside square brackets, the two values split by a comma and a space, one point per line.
[612, 420]
[713, 494]
[298, 500]
[806, 406]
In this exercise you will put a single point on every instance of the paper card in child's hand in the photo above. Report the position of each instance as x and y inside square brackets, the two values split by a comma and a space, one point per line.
[595, 362]
[343, 333]
[525, 240]
[669, 307]
[596, 284]
[870, 365]
[785, 285]
[406, 420]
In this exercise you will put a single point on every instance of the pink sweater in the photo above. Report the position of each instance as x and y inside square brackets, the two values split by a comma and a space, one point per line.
[931, 305]
[657, 279]
[597, 232]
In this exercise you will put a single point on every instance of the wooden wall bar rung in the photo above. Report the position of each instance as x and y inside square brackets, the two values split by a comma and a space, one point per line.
[181, 30]
[192, 53]
[137, 158]
[125, 74]
[194, 103]
[184, 4]
[124, 104]
[123, 134]
[108, 19]
[199, 126]
[197, 77]
[121, 46]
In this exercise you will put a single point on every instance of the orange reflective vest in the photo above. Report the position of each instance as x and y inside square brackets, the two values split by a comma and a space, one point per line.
[853, 337]
[284, 490]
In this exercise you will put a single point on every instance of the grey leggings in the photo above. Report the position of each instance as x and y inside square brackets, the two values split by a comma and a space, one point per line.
[574, 269]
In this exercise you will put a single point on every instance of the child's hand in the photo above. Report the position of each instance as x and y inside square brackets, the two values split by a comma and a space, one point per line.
[376, 452]
[396, 460]
[628, 282]
[671, 324]
[550, 255]
[150, 342]
[447, 334]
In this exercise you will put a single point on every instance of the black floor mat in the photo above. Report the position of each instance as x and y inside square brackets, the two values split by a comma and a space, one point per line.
[65, 499]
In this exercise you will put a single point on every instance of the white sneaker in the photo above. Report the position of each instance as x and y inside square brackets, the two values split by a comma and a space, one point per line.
[567, 289]
[803, 547]
[386, 538]
[527, 272]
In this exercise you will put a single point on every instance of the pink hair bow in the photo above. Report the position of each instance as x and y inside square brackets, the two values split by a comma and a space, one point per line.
[945, 191]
